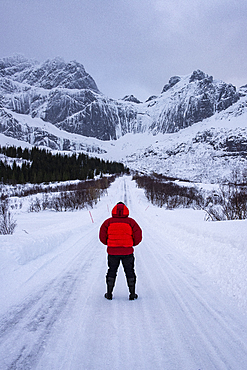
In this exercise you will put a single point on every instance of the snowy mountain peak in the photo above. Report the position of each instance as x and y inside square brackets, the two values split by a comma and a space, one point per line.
[51, 74]
[199, 75]
[173, 80]
[131, 98]
[11, 66]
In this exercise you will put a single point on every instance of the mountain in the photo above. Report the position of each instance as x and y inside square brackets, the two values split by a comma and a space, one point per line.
[58, 105]
[66, 96]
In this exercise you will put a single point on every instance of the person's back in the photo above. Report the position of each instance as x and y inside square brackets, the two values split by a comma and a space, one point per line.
[120, 233]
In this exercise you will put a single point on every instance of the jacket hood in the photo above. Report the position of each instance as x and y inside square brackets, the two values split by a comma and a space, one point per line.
[120, 210]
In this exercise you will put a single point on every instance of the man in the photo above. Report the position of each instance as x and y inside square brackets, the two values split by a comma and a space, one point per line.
[120, 233]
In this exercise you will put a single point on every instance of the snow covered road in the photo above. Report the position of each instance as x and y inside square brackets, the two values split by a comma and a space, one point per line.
[53, 314]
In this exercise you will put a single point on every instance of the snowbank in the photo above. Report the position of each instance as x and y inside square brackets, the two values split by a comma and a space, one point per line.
[219, 248]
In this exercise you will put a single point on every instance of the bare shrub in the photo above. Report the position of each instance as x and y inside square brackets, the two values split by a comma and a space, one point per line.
[35, 205]
[72, 197]
[162, 192]
[231, 204]
[45, 202]
[7, 223]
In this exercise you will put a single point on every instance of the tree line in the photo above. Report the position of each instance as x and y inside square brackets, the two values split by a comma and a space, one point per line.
[40, 165]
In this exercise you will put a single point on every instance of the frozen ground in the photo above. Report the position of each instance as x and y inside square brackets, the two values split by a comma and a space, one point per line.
[192, 286]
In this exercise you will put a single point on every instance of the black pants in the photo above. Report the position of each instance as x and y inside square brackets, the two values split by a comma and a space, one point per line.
[128, 263]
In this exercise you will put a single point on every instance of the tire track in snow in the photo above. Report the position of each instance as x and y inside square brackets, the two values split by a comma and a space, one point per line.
[196, 326]
[36, 328]
[205, 333]
[34, 320]
[129, 334]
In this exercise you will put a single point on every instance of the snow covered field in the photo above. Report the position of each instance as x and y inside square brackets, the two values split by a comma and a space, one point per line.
[192, 287]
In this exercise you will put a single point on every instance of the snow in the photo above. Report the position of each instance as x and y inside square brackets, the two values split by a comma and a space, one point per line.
[191, 283]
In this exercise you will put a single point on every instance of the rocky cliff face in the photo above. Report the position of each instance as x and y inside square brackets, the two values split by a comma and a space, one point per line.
[65, 95]
[48, 75]
[189, 100]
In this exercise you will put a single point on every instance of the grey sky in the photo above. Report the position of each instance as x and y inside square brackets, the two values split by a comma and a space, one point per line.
[131, 46]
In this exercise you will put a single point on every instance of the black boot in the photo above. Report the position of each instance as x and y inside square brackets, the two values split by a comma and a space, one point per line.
[132, 285]
[110, 285]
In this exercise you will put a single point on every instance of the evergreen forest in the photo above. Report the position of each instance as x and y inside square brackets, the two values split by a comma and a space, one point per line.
[39, 165]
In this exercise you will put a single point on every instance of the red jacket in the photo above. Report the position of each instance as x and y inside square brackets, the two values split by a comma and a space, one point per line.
[120, 232]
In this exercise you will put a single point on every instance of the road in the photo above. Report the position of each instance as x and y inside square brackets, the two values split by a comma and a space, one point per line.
[61, 320]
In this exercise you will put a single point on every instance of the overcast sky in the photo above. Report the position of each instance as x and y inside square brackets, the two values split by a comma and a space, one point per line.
[131, 46]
